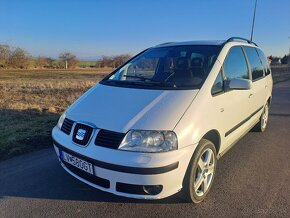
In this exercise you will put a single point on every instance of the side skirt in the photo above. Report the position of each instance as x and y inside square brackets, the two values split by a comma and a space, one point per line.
[238, 139]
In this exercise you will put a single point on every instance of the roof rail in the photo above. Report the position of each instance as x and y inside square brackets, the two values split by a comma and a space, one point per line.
[165, 43]
[242, 39]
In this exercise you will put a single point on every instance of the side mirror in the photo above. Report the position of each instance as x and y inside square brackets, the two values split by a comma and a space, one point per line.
[240, 84]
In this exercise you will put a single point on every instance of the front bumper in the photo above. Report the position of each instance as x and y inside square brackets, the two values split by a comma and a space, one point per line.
[124, 173]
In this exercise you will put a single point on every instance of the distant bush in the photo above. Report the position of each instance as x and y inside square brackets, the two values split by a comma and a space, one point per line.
[13, 57]
[113, 61]
[5, 53]
[44, 62]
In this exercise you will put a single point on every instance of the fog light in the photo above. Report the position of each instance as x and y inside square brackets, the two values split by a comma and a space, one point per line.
[152, 189]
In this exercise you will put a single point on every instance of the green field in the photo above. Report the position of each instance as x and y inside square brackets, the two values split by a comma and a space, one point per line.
[87, 64]
[32, 101]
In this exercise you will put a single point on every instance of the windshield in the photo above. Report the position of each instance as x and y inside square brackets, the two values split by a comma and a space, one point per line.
[172, 67]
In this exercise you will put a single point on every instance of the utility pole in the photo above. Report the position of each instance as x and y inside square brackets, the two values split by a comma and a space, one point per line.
[289, 55]
[254, 18]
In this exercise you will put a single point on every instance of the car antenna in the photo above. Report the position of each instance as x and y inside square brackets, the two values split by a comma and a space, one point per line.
[254, 17]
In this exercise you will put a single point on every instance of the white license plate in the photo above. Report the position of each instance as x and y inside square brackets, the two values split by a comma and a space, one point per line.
[77, 162]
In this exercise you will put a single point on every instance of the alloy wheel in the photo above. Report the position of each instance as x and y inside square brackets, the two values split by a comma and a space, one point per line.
[204, 172]
[265, 117]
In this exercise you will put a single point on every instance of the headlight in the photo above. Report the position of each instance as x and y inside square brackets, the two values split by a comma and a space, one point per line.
[60, 121]
[149, 141]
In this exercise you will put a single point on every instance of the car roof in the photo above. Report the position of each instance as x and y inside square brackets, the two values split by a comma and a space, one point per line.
[233, 40]
[198, 42]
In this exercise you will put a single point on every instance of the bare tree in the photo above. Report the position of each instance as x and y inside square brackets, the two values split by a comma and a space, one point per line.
[69, 60]
[121, 59]
[5, 53]
[106, 61]
[18, 58]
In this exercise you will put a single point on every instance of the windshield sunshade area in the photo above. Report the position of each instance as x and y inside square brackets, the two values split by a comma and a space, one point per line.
[172, 67]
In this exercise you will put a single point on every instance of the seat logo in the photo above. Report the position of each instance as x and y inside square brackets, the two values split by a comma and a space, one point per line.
[80, 134]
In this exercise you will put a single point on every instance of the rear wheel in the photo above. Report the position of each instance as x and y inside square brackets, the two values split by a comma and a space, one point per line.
[200, 173]
[262, 124]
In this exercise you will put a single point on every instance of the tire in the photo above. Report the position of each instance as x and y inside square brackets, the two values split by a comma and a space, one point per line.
[194, 190]
[262, 124]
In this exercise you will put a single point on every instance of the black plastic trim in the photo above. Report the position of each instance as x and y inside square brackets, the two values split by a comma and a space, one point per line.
[135, 189]
[243, 122]
[67, 126]
[119, 168]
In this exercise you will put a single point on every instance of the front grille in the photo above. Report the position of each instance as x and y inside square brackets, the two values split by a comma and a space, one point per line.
[86, 176]
[109, 139]
[82, 134]
[67, 125]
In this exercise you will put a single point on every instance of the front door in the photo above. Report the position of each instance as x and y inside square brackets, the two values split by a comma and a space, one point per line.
[237, 103]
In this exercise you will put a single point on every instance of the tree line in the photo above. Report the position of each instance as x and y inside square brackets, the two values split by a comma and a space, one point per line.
[281, 60]
[18, 58]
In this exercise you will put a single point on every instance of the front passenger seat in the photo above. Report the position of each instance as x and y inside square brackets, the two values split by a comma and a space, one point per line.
[197, 70]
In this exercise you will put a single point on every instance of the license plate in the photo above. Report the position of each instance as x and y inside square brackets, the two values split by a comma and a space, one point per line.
[76, 162]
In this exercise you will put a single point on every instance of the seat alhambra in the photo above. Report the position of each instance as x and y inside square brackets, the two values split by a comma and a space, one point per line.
[158, 124]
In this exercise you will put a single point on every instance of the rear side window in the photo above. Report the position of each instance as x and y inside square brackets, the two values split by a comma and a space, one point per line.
[235, 65]
[255, 63]
[264, 62]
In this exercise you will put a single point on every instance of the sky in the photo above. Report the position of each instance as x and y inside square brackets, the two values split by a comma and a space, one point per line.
[91, 28]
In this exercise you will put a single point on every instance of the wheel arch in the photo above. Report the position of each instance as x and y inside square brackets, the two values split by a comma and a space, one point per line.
[213, 136]
[269, 100]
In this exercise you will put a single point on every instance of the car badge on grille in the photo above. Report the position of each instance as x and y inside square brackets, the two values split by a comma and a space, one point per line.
[81, 134]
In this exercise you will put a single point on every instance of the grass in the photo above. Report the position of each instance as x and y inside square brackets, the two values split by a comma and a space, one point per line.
[32, 101]
[24, 131]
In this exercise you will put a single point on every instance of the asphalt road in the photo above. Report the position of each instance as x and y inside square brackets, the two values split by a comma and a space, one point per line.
[253, 179]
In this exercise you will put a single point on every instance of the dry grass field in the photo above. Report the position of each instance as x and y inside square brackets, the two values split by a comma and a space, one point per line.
[32, 101]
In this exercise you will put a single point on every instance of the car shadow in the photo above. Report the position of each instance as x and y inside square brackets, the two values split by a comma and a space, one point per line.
[39, 175]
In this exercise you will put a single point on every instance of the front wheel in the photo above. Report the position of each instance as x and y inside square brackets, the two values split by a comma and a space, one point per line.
[200, 173]
[262, 124]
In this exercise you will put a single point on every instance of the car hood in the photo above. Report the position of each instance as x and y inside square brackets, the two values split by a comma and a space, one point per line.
[121, 109]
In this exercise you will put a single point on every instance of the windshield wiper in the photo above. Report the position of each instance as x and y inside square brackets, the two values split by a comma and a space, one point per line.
[166, 84]
[152, 81]
[129, 82]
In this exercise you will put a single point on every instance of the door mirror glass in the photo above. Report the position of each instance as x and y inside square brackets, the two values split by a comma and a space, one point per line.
[240, 84]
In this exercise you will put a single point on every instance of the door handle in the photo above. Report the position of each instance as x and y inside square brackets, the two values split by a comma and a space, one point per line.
[266, 86]
[250, 95]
